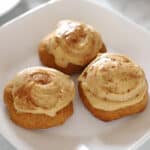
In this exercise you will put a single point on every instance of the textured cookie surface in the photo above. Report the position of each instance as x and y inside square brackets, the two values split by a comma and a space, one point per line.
[39, 97]
[112, 83]
[116, 114]
[71, 46]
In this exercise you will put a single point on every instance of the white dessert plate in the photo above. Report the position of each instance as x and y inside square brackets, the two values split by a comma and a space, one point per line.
[7, 5]
[19, 40]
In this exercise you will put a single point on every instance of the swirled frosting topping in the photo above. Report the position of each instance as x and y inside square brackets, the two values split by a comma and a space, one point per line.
[74, 42]
[113, 81]
[41, 90]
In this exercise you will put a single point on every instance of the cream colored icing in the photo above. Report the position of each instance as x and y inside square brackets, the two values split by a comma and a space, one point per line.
[73, 42]
[41, 90]
[113, 81]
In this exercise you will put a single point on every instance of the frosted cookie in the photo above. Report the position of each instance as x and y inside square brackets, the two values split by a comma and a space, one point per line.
[113, 86]
[71, 46]
[39, 97]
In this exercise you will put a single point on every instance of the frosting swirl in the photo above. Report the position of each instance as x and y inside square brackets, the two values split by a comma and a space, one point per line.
[113, 81]
[72, 42]
[41, 90]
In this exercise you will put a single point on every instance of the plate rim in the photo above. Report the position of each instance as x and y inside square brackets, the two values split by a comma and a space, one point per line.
[146, 136]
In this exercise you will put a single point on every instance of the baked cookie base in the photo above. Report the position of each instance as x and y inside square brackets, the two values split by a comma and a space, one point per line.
[49, 60]
[112, 115]
[35, 121]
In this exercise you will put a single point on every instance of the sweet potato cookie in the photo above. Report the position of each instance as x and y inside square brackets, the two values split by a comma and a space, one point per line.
[113, 86]
[70, 47]
[39, 97]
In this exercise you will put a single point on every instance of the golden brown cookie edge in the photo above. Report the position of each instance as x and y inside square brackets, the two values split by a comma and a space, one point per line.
[49, 60]
[35, 121]
[112, 115]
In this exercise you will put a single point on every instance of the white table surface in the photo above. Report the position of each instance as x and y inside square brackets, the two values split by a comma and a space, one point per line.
[136, 10]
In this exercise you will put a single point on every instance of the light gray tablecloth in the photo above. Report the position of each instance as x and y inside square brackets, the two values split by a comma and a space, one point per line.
[137, 10]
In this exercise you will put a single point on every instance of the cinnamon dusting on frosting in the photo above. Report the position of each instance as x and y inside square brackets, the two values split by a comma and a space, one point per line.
[113, 81]
[72, 42]
[40, 90]
[41, 78]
